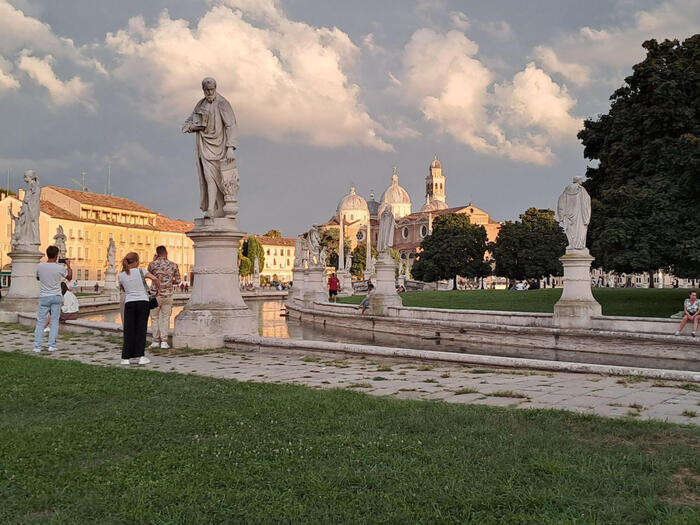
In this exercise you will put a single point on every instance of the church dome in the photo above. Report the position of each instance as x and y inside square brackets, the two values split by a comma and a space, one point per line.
[395, 194]
[435, 163]
[352, 202]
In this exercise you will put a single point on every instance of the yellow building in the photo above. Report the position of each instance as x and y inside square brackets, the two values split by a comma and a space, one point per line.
[89, 220]
[279, 257]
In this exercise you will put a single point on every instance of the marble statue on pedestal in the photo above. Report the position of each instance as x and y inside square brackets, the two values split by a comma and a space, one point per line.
[348, 261]
[299, 252]
[214, 124]
[387, 224]
[111, 255]
[574, 214]
[313, 239]
[59, 241]
[26, 223]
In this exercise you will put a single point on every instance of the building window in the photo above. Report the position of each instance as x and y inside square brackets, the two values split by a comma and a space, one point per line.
[99, 236]
[87, 275]
[70, 234]
[99, 275]
[87, 253]
[404, 232]
[403, 255]
[423, 230]
[80, 253]
[80, 274]
[287, 262]
[268, 252]
[360, 235]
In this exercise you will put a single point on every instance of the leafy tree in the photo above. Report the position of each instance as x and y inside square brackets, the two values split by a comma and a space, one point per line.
[330, 239]
[529, 248]
[456, 247]
[645, 189]
[252, 249]
[359, 259]
[273, 233]
[245, 266]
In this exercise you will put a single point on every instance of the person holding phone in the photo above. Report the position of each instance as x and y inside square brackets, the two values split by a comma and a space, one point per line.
[50, 275]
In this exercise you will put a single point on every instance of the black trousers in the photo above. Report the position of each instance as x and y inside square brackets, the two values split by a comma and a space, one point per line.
[134, 323]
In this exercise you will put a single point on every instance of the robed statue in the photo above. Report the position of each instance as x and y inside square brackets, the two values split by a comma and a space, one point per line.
[314, 241]
[59, 241]
[26, 222]
[385, 236]
[214, 124]
[111, 255]
[299, 252]
[574, 214]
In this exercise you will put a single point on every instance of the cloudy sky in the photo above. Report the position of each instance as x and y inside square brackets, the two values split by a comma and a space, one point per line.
[327, 94]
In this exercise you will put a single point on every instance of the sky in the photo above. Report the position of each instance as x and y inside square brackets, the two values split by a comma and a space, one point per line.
[328, 94]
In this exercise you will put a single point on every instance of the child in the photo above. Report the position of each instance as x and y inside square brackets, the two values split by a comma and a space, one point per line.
[365, 302]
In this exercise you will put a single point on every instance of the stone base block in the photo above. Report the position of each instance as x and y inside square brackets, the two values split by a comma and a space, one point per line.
[315, 287]
[575, 314]
[385, 294]
[206, 329]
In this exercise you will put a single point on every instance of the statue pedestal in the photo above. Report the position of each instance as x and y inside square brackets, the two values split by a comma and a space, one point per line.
[315, 287]
[296, 296]
[23, 294]
[256, 280]
[215, 308]
[385, 294]
[345, 283]
[111, 289]
[577, 304]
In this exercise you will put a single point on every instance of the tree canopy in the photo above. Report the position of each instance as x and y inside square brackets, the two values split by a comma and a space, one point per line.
[645, 187]
[359, 259]
[455, 247]
[329, 239]
[252, 249]
[530, 247]
[273, 233]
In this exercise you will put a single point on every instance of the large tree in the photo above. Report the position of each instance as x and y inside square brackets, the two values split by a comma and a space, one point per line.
[456, 247]
[253, 249]
[273, 233]
[645, 188]
[530, 247]
[329, 239]
[359, 259]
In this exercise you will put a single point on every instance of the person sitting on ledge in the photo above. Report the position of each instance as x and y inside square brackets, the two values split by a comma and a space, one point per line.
[365, 302]
[691, 312]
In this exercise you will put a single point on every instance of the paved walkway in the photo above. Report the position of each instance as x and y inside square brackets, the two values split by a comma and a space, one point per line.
[453, 383]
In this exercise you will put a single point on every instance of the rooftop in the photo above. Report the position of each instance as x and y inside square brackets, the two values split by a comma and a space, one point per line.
[97, 199]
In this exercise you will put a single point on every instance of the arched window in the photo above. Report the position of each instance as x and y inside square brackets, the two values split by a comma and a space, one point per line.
[423, 230]
[404, 232]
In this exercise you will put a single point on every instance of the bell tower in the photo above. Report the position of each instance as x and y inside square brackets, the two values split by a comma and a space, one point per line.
[435, 182]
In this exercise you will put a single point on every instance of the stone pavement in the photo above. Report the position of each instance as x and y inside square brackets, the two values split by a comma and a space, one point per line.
[454, 383]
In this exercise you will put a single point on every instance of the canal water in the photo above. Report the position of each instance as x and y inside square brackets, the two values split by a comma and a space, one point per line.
[273, 323]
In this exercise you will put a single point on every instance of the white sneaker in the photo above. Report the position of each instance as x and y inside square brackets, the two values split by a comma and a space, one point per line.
[677, 332]
[155, 344]
[124, 362]
[144, 360]
[164, 345]
[47, 330]
[52, 348]
[37, 350]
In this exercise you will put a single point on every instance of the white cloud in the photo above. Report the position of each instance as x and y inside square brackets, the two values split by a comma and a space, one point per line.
[453, 89]
[499, 29]
[19, 31]
[459, 20]
[7, 81]
[579, 74]
[607, 54]
[368, 42]
[286, 80]
[73, 91]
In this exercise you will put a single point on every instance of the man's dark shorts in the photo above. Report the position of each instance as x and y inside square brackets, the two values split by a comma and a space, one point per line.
[332, 293]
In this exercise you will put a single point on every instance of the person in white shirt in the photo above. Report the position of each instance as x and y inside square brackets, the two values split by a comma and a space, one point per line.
[50, 276]
[132, 280]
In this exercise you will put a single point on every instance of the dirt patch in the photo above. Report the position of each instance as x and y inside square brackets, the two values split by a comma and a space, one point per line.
[684, 488]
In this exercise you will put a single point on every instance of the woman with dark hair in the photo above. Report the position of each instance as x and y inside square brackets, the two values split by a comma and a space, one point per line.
[691, 313]
[132, 280]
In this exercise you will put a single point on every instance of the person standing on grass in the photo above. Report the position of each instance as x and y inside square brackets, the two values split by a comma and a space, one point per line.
[333, 286]
[691, 312]
[132, 280]
[50, 276]
[168, 274]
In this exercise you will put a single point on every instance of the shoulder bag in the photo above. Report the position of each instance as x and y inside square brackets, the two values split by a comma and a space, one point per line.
[152, 301]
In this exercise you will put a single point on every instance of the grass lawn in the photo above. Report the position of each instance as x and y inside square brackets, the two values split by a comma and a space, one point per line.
[88, 443]
[642, 302]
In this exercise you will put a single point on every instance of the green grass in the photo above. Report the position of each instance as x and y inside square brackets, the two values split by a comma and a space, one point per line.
[641, 302]
[85, 443]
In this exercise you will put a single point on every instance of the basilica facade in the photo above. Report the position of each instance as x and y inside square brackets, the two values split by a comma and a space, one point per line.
[359, 217]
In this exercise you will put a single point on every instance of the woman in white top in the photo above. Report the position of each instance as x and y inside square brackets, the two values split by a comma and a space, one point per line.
[691, 313]
[136, 310]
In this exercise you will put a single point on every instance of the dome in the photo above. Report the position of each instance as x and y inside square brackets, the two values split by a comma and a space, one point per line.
[433, 205]
[435, 163]
[352, 202]
[395, 194]
[372, 205]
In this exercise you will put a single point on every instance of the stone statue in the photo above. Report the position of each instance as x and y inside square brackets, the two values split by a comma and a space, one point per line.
[214, 123]
[314, 240]
[385, 237]
[322, 257]
[26, 223]
[348, 261]
[59, 240]
[299, 252]
[111, 255]
[574, 214]
[406, 271]
[256, 266]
